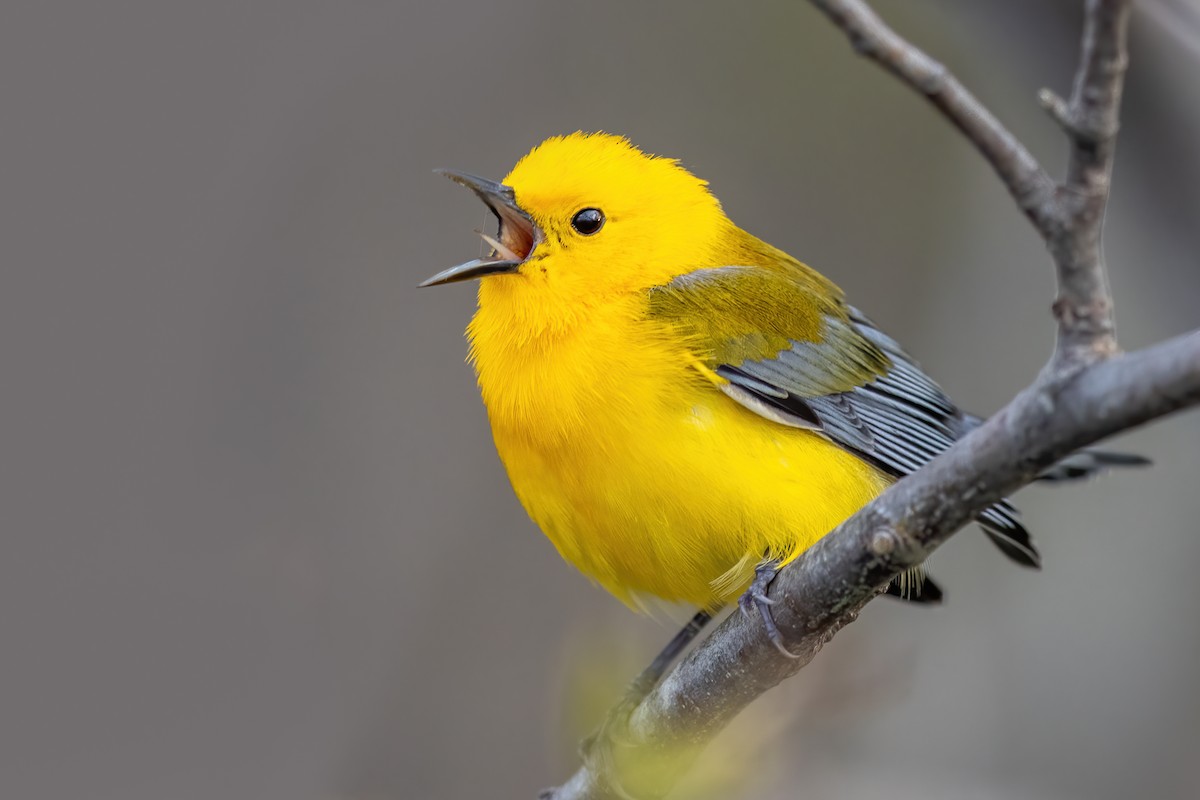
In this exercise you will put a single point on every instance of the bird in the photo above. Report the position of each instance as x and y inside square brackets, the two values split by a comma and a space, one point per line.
[682, 408]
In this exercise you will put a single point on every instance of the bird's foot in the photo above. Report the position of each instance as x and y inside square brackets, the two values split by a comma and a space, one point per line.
[755, 599]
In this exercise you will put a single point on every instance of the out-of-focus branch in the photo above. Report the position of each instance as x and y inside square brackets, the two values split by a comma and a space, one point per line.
[1087, 392]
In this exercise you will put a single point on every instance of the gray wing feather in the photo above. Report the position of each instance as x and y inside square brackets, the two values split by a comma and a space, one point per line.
[899, 421]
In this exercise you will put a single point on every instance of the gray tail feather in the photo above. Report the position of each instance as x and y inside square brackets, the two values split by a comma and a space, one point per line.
[1077, 466]
[1002, 525]
[1086, 463]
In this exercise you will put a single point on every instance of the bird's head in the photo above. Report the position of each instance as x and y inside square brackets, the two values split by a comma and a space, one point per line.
[591, 215]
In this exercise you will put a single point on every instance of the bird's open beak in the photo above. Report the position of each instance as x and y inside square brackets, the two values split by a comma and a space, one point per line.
[517, 237]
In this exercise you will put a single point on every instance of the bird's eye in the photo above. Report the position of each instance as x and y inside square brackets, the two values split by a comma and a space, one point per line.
[588, 221]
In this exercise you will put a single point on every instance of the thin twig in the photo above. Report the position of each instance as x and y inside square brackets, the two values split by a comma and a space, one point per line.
[1068, 217]
[1027, 182]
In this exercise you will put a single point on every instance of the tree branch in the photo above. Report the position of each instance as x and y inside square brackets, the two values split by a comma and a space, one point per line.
[1090, 120]
[1087, 392]
[827, 586]
[1027, 182]
[1069, 216]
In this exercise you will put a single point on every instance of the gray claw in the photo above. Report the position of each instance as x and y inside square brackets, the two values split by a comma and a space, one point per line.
[756, 596]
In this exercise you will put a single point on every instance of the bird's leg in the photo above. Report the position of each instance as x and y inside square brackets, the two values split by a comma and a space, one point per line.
[652, 674]
[756, 598]
[618, 717]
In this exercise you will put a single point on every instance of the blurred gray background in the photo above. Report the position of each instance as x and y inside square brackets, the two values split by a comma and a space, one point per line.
[256, 541]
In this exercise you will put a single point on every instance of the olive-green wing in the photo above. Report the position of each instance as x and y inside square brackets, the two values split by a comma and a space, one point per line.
[802, 357]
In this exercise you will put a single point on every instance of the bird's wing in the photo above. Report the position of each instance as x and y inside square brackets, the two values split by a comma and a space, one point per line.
[804, 358]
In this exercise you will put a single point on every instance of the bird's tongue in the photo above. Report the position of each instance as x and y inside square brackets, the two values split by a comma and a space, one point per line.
[500, 248]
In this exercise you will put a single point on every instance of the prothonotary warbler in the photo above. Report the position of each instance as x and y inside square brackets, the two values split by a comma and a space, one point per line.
[680, 406]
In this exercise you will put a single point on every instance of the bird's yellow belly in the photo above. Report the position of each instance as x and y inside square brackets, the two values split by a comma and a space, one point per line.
[680, 497]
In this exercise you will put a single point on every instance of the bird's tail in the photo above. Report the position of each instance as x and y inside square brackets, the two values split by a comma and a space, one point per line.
[1086, 463]
[1077, 466]
[1002, 523]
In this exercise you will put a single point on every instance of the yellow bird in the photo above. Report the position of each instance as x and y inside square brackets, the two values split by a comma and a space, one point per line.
[677, 402]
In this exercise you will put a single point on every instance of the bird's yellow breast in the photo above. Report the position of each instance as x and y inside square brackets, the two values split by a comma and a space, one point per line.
[634, 464]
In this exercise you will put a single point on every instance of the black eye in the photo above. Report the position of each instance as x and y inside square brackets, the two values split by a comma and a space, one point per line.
[588, 221]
